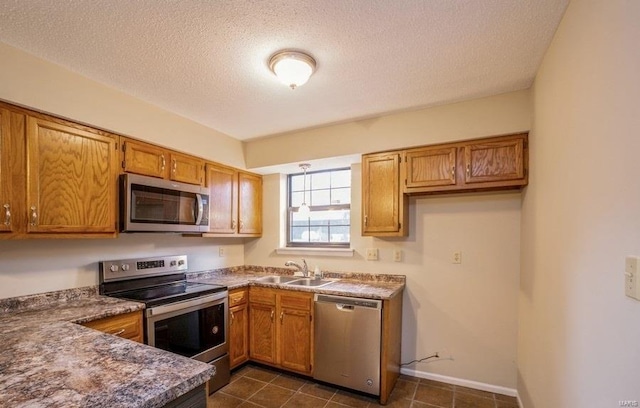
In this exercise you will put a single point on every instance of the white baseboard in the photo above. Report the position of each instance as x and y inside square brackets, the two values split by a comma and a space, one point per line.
[512, 392]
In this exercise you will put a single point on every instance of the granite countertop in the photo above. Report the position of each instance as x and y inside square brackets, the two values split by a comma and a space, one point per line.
[49, 361]
[361, 285]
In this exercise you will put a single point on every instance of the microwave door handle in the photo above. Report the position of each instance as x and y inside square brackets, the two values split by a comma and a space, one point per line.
[199, 209]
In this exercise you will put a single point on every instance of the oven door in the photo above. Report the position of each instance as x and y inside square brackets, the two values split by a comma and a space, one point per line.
[195, 328]
[150, 204]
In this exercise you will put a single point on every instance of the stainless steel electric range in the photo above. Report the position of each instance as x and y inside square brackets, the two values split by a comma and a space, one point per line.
[187, 318]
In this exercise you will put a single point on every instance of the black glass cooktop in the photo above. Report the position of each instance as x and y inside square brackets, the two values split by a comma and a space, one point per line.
[169, 293]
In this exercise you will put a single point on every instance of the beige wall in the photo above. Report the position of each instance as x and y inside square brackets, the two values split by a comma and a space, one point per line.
[579, 336]
[37, 266]
[36, 83]
[468, 311]
[506, 113]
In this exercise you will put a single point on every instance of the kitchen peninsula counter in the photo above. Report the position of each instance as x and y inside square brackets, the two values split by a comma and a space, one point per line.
[48, 360]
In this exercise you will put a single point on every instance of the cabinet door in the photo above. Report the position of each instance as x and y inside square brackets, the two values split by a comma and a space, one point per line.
[145, 159]
[187, 169]
[382, 208]
[238, 334]
[127, 326]
[494, 161]
[295, 340]
[223, 199]
[250, 204]
[262, 332]
[71, 182]
[430, 167]
[5, 173]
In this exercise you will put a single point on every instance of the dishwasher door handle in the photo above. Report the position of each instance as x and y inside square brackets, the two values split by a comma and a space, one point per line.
[341, 306]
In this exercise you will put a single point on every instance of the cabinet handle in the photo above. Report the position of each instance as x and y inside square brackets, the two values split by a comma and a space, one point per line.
[468, 169]
[241, 225]
[272, 316]
[175, 166]
[233, 224]
[453, 172]
[34, 216]
[232, 318]
[366, 220]
[163, 162]
[281, 317]
[7, 214]
[118, 333]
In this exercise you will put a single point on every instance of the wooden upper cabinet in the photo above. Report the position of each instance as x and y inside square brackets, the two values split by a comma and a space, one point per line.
[497, 160]
[71, 182]
[150, 160]
[6, 203]
[145, 159]
[186, 169]
[431, 167]
[235, 201]
[382, 205]
[223, 199]
[249, 204]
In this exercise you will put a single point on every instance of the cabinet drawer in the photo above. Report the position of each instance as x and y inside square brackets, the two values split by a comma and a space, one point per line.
[127, 326]
[237, 297]
[297, 301]
[262, 295]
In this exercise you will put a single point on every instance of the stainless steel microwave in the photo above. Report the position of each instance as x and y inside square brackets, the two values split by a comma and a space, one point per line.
[149, 204]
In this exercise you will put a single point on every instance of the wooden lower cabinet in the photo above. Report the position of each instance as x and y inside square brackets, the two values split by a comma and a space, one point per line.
[127, 326]
[238, 327]
[281, 328]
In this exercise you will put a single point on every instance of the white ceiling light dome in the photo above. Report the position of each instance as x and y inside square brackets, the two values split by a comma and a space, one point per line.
[293, 68]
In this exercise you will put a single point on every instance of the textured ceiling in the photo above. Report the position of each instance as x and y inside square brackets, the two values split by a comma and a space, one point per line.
[207, 60]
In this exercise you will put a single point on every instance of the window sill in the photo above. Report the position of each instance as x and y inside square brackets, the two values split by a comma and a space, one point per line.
[336, 252]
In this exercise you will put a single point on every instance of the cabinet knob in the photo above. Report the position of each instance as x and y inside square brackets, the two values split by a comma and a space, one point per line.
[34, 216]
[7, 214]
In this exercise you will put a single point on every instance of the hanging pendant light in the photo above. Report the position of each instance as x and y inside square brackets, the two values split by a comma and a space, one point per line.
[304, 208]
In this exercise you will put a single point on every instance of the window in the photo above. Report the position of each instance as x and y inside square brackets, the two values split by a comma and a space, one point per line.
[328, 195]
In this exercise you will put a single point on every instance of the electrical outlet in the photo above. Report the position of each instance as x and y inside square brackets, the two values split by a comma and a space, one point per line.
[222, 252]
[397, 255]
[631, 287]
[457, 257]
[372, 254]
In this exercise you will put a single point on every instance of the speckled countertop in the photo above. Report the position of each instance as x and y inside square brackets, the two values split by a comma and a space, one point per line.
[49, 361]
[371, 286]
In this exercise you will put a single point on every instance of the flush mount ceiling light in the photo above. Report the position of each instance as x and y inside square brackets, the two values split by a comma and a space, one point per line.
[293, 68]
[304, 208]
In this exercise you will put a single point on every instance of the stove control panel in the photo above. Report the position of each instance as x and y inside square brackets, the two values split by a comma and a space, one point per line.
[143, 267]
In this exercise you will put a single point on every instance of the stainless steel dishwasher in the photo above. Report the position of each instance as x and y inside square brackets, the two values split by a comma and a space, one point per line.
[348, 342]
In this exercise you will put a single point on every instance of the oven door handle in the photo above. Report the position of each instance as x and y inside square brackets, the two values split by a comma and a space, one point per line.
[172, 307]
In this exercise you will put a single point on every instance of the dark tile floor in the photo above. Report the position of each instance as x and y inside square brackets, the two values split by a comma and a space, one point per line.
[254, 386]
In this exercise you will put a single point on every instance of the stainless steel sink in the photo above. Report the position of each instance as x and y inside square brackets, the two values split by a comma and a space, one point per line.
[277, 279]
[310, 282]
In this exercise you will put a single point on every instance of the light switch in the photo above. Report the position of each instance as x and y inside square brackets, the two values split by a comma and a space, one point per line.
[631, 287]
[397, 255]
[457, 257]
[222, 252]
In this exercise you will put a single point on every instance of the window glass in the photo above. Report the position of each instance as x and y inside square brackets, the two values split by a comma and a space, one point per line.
[328, 195]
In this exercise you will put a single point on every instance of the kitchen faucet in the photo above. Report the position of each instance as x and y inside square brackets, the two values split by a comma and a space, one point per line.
[304, 269]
